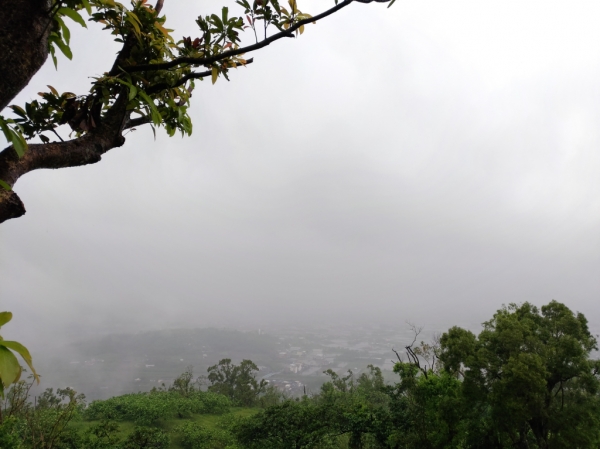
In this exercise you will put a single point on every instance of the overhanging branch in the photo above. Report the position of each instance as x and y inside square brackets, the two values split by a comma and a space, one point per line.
[230, 53]
[84, 150]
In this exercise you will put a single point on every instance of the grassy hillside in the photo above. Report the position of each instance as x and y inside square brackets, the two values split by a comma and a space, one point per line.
[211, 422]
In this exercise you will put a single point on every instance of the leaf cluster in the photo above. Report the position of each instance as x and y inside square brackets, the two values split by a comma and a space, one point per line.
[10, 369]
[148, 408]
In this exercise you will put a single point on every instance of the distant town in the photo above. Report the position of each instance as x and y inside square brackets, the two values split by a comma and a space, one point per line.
[291, 359]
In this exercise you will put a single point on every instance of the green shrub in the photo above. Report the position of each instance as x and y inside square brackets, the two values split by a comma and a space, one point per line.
[101, 436]
[9, 434]
[195, 436]
[147, 408]
[147, 438]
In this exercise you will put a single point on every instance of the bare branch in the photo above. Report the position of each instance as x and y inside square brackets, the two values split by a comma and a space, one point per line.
[412, 355]
[417, 330]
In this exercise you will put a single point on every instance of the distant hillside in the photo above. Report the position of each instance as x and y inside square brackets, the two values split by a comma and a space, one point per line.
[117, 364]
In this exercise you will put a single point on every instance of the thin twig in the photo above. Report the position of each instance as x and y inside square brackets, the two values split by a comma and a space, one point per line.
[228, 54]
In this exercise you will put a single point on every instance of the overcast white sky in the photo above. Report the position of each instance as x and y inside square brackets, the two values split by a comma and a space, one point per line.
[426, 162]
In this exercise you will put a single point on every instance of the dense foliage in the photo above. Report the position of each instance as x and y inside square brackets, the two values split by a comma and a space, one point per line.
[147, 408]
[526, 381]
[237, 382]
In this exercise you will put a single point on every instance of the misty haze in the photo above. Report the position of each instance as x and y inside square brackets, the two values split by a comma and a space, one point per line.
[389, 170]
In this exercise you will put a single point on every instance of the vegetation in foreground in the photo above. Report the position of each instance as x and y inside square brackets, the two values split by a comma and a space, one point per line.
[526, 381]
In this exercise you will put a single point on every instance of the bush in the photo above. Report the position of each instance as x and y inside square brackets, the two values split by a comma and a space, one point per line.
[195, 436]
[104, 435]
[147, 408]
[9, 435]
[147, 438]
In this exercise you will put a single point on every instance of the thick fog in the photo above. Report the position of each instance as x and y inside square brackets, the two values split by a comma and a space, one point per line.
[428, 162]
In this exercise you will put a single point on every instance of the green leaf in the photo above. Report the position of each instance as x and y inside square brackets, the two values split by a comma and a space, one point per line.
[5, 186]
[10, 370]
[132, 92]
[73, 15]
[22, 351]
[156, 117]
[5, 129]
[87, 6]
[224, 14]
[19, 111]
[5, 317]
[134, 21]
[18, 143]
[214, 74]
[65, 32]
[132, 89]
[15, 138]
[54, 60]
[64, 48]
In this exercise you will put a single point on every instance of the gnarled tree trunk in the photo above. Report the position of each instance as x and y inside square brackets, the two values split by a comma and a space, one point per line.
[24, 29]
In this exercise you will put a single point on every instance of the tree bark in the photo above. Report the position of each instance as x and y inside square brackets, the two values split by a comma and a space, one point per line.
[23, 45]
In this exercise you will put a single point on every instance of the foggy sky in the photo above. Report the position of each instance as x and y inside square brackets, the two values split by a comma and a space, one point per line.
[427, 162]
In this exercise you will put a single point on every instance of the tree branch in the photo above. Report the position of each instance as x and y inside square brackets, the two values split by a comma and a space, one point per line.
[228, 54]
[138, 121]
[123, 54]
[194, 75]
[84, 150]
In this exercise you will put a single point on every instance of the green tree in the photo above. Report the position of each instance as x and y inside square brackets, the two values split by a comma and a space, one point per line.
[357, 408]
[150, 81]
[185, 385]
[528, 378]
[426, 411]
[47, 421]
[44, 423]
[237, 382]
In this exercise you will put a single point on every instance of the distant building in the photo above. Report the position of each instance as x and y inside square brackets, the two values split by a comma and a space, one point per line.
[295, 367]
